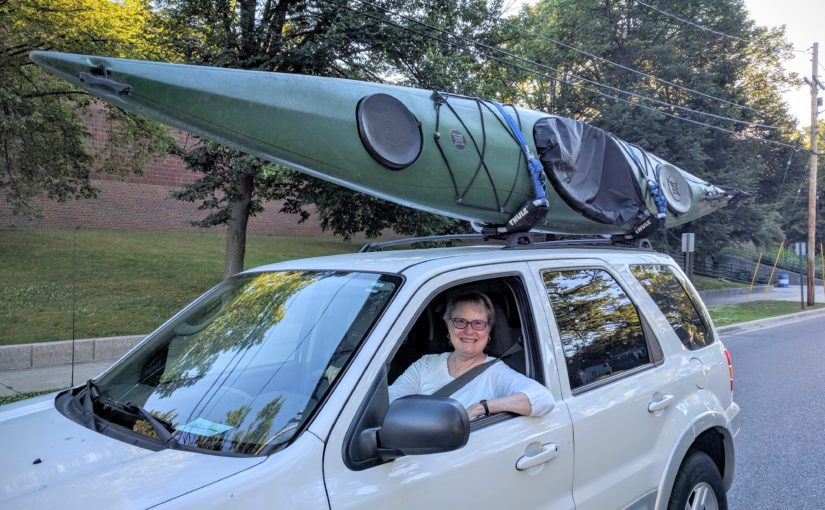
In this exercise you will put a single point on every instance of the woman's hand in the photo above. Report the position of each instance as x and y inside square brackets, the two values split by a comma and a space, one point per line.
[476, 410]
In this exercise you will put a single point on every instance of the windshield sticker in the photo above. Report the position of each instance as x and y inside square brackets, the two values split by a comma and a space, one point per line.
[203, 427]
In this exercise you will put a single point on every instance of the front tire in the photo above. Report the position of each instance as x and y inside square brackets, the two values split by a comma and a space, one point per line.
[698, 485]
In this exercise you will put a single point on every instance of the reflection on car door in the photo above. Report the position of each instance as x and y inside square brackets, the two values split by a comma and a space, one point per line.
[482, 474]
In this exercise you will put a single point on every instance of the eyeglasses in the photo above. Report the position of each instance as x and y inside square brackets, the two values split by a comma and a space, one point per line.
[477, 325]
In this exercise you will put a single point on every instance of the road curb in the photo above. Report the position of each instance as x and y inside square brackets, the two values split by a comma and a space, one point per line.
[48, 354]
[770, 322]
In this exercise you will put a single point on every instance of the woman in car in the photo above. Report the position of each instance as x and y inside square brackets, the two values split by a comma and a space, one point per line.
[470, 318]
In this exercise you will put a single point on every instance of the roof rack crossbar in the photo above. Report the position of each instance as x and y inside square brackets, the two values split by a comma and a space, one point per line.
[425, 239]
[642, 244]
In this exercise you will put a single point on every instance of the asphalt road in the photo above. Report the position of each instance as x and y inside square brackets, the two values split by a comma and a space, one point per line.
[779, 380]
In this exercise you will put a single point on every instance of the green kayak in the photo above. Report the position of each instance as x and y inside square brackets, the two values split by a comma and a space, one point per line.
[503, 168]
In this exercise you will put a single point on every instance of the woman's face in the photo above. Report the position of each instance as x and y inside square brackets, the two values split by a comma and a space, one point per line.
[469, 342]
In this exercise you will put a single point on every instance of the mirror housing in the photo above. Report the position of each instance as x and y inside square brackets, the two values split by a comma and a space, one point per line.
[415, 424]
[421, 424]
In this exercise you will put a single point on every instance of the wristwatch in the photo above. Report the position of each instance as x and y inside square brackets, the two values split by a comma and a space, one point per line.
[486, 409]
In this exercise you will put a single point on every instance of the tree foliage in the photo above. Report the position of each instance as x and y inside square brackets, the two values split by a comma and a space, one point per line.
[337, 38]
[744, 70]
[43, 149]
[342, 38]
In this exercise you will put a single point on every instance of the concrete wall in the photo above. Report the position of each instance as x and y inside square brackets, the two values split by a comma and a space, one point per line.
[16, 357]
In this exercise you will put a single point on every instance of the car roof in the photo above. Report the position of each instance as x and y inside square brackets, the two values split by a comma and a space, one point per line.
[403, 261]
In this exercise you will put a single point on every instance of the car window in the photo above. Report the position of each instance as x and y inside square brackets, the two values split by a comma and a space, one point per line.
[671, 295]
[600, 328]
[244, 368]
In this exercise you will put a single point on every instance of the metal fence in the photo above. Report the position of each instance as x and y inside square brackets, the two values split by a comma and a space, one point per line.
[746, 266]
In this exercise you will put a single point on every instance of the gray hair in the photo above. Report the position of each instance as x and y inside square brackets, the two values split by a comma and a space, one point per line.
[475, 298]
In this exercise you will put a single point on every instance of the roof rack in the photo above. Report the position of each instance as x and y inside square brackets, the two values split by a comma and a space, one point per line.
[605, 242]
[425, 239]
[519, 240]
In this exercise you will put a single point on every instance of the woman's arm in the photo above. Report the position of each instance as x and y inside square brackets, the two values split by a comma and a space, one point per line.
[521, 394]
[407, 383]
[516, 403]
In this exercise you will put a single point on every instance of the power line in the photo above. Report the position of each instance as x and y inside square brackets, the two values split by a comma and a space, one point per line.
[787, 166]
[553, 78]
[691, 23]
[610, 62]
[702, 27]
[532, 71]
[798, 191]
[577, 77]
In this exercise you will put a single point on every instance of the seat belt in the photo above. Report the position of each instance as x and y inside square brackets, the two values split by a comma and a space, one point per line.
[462, 380]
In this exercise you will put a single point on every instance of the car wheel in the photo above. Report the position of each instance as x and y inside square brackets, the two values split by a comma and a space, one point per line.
[698, 485]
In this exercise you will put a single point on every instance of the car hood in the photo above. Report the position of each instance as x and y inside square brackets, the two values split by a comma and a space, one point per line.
[50, 461]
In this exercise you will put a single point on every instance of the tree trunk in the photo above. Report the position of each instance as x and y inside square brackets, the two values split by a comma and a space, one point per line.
[236, 228]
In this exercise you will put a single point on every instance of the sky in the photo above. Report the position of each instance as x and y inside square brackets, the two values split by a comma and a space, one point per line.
[804, 22]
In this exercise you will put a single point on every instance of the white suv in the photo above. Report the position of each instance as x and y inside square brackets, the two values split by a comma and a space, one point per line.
[271, 391]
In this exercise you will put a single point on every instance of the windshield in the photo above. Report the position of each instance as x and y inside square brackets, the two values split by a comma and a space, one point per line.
[241, 371]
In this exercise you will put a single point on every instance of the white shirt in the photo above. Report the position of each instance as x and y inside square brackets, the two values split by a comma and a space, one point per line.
[430, 373]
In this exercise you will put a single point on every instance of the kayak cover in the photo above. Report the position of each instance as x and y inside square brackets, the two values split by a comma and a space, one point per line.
[590, 171]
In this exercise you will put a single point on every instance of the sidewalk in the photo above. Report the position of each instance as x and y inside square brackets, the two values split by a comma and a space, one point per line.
[26, 368]
[26, 380]
[744, 295]
[46, 366]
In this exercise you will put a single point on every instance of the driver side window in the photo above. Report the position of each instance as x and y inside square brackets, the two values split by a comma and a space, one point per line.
[511, 336]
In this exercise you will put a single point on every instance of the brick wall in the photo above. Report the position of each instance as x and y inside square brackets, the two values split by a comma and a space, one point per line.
[162, 171]
[134, 206]
[143, 202]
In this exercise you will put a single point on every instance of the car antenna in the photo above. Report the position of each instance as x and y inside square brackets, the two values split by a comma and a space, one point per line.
[74, 293]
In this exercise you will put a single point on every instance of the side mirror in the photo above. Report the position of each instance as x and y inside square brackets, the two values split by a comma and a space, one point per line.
[415, 424]
[420, 424]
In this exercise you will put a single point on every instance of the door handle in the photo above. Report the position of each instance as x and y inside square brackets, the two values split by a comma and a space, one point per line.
[547, 453]
[663, 402]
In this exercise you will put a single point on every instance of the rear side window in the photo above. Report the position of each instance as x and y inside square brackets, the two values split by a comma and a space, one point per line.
[599, 326]
[671, 296]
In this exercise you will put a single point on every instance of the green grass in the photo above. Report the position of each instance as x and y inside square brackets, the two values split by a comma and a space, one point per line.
[725, 315]
[129, 282]
[23, 396]
[708, 283]
[122, 282]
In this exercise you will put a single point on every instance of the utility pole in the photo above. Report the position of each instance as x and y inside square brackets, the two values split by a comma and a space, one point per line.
[815, 84]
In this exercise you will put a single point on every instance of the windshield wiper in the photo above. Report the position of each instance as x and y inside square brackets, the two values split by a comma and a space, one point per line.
[87, 402]
[160, 426]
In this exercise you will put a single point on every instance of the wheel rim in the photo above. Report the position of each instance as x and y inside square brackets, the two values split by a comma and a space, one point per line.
[702, 497]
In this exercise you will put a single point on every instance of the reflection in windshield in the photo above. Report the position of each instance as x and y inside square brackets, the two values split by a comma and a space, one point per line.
[242, 370]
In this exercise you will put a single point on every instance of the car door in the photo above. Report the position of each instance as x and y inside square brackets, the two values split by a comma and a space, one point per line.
[485, 473]
[623, 393]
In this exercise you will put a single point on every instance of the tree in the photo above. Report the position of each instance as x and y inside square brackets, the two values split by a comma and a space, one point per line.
[43, 148]
[343, 38]
[743, 70]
